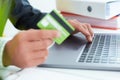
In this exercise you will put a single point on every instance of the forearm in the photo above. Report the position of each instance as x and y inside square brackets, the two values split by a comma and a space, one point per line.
[24, 16]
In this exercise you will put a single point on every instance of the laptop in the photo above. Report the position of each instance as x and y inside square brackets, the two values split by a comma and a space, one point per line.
[76, 53]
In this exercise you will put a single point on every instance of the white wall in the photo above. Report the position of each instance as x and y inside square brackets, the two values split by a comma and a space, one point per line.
[44, 5]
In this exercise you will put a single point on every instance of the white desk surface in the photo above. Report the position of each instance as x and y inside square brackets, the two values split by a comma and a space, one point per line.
[61, 74]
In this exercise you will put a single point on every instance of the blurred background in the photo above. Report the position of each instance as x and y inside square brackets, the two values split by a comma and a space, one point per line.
[43, 4]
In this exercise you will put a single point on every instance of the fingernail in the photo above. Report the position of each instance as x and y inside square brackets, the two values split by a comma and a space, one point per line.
[93, 36]
[90, 39]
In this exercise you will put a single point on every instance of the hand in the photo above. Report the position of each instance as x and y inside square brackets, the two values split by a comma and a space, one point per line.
[29, 48]
[84, 28]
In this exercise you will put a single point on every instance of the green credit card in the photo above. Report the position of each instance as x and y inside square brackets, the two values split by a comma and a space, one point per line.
[55, 21]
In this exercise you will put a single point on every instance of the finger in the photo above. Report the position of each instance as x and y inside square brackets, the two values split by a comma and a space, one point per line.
[49, 42]
[79, 27]
[38, 45]
[41, 34]
[34, 62]
[39, 54]
[90, 29]
[33, 35]
[86, 26]
[89, 37]
[39, 61]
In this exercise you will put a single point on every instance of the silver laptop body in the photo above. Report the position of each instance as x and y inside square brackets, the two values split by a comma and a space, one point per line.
[76, 53]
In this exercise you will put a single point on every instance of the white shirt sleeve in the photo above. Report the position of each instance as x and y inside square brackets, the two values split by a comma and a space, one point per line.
[3, 41]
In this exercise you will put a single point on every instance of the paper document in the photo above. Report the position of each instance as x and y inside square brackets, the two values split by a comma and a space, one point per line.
[113, 23]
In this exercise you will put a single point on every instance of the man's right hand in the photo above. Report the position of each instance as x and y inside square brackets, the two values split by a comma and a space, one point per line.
[29, 48]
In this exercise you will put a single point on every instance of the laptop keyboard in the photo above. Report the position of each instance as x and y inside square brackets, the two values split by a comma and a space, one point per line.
[103, 49]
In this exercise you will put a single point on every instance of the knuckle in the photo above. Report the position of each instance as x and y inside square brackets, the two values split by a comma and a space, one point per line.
[87, 34]
[44, 45]
[88, 25]
[69, 20]
[46, 52]
[20, 37]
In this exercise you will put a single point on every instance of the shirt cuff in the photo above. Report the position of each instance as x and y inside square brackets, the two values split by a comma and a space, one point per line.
[3, 42]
